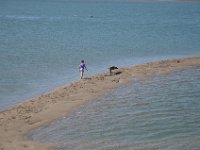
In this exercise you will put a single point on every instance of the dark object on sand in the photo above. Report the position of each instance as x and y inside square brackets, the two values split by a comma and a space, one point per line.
[178, 61]
[112, 68]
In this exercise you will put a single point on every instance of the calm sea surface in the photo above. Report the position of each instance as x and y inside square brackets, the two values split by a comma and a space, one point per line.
[43, 41]
[160, 113]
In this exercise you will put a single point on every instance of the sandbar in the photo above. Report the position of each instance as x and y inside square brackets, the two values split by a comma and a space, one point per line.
[38, 111]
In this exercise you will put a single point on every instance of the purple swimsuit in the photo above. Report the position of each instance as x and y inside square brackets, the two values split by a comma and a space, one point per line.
[82, 66]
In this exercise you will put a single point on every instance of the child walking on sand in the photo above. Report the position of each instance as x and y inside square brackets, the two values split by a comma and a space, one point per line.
[82, 66]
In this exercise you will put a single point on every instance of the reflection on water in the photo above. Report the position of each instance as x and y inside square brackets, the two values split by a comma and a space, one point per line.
[158, 113]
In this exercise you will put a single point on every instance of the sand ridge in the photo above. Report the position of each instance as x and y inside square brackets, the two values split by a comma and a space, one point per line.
[16, 122]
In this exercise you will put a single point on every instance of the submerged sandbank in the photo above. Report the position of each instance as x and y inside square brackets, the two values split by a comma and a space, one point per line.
[41, 110]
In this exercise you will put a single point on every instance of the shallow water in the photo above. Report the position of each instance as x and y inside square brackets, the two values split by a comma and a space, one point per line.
[42, 42]
[160, 113]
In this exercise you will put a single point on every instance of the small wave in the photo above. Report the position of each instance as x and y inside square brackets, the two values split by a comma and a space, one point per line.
[23, 17]
[32, 18]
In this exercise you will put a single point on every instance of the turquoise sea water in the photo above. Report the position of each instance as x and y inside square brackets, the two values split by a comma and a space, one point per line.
[159, 113]
[42, 42]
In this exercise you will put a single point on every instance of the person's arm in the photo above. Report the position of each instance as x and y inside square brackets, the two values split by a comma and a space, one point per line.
[85, 68]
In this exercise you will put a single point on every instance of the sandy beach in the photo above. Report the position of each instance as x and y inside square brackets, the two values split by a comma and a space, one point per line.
[16, 122]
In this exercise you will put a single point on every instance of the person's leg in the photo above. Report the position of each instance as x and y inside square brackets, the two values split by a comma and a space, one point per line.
[81, 75]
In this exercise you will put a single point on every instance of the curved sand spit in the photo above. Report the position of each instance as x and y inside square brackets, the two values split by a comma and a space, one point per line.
[17, 121]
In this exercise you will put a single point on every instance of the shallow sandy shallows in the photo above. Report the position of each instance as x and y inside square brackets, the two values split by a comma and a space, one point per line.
[16, 122]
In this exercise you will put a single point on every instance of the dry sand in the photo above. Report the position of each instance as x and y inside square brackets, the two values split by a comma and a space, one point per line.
[16, 122]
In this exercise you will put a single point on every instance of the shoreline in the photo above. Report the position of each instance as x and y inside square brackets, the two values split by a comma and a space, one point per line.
[16, 122]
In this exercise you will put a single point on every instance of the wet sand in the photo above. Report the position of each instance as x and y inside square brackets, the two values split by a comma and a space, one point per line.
[16, 122]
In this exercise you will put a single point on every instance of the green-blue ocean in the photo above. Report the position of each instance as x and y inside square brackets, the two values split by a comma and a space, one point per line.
[43, 41]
